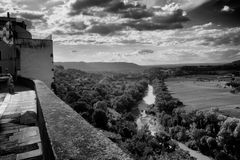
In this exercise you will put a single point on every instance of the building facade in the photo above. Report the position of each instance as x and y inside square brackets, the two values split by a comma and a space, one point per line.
[21, 55]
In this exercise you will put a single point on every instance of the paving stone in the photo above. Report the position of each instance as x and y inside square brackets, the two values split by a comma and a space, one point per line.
[29, 140]
[13, 127]
[29, 154]
[26, 129]
[2, 136]
[4, 139]
[2, 109]
[19, 141]
[8, 157]
[23, 135]
[20, 149]
[5, 125]
[8, 120]
[7, 116]
[8, 145]
[8, 131]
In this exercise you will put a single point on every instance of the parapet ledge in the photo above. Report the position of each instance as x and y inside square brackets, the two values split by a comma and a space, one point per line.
[66, 135]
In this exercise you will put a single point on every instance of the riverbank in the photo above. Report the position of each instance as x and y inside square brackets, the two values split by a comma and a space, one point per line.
[155, 127]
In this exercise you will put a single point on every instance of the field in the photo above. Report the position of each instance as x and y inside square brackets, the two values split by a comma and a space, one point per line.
[203, 93]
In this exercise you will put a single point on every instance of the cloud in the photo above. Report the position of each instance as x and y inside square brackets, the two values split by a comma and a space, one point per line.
[30, 4]
[121, 16]
[227, 9]
[117, 5]
[228, 37]
[184, 4]
[224, 55]
[31, 15]
[151, 25]
[78, 5]
[78, 25]
[104, 29]
[1, 10]
[145, 51]
[129, 10]
[170, 17]
[136, 13]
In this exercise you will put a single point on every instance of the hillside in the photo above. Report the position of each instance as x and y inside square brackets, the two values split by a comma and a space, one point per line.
[236, 62]
[102, 66]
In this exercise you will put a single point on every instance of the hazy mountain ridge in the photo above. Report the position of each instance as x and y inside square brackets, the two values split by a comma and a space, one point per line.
[132, 67]
[236, 62]
[102, 66]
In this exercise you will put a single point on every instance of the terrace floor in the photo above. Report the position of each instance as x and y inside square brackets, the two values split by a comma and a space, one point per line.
[18, 141]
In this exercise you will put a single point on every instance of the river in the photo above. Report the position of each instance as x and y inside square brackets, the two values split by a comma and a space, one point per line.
[154, 126]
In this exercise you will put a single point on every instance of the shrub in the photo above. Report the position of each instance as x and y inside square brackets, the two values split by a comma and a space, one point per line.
[100, 118]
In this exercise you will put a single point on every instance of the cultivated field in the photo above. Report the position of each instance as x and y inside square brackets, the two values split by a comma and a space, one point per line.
[204, 93]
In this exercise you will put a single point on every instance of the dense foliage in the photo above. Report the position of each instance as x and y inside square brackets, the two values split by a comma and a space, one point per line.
[209, 69]
[106, 100]
[93, 95]
[209, 132]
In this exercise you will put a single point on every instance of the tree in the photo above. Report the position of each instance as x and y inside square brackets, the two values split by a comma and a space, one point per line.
[71, 97]
[197, 134]
[100, 105]
[100, 118]
[123, 103]
[226, 134]
[203, 145]
[101, 89]
[236, 132]
[129, 116]
[212, 143]
[223, 156]
[192, 144]
[81, 106]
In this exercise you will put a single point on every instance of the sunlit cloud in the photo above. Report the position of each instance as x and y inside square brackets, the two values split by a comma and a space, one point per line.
[227, 9]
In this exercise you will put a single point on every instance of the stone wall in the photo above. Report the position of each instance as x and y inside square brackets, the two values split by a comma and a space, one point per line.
[66, 135]
[36, 59]
[7, 59]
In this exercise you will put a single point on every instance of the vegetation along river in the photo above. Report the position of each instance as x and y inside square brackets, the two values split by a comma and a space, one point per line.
[154, 126]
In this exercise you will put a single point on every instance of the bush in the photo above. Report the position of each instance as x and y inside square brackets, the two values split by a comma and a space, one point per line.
[192, 144]
[71, 97]
[100, 118]
[81, 106]
[129, 117]
[100, 105]
[223, 156]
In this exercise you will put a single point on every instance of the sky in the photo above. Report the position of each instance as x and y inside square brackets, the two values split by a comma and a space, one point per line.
[145, 32]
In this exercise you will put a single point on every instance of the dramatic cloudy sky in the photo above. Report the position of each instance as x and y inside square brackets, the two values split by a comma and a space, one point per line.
[145, 32]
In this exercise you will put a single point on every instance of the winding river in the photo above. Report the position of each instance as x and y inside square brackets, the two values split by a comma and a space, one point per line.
[154, 126]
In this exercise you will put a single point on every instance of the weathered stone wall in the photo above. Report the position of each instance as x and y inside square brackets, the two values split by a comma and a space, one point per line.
[66, 135]
[36, 59]
[7, 59]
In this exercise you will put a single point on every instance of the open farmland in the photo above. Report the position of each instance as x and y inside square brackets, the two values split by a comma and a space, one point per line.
[203, 93]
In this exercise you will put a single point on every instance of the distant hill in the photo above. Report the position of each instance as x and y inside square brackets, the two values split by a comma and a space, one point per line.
[236, 62]
[102, 66]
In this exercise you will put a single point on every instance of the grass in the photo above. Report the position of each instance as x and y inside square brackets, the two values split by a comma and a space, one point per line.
[204, 94]
[234, 112]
